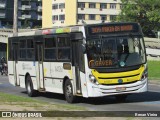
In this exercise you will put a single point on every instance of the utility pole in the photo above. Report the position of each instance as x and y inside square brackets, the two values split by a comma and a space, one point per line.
[15, 20]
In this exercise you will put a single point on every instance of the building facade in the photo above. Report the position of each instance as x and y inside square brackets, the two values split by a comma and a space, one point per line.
[30, 13]
[72, 12]
[6, 13]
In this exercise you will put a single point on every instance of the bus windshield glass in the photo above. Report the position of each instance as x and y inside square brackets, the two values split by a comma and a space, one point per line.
[115, 52]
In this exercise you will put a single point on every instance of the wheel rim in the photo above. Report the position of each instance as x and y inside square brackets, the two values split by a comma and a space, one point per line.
[69, 91]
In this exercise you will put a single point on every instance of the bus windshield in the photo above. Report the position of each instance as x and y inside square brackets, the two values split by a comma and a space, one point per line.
[115, 52]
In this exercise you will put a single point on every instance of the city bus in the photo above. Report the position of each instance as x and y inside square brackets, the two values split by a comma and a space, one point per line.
[94, 60]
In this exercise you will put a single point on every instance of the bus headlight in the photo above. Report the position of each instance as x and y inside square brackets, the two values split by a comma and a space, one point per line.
[144, 75]
[93, 79]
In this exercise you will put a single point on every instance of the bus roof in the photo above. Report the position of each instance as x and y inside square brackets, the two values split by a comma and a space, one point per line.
[72, 28]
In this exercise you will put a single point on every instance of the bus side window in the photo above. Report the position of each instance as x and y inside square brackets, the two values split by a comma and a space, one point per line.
[22, 49]
[10, 49]
[50, 48]
[30, 49]
[63, 48]
[64, 54]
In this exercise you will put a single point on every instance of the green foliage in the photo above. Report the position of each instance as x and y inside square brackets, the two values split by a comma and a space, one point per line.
[154, 70]
[26, 24]
[145, 12]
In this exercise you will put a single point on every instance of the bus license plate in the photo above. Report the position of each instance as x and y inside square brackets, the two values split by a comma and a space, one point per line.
[120, 88]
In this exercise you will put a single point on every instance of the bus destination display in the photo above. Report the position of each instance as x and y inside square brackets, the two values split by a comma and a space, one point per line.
[112, 28]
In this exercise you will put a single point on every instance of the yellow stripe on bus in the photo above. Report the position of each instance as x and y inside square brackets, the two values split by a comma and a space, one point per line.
[121, 77]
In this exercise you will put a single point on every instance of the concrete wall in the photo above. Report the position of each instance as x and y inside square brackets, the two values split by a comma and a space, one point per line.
[71, 12]
[47, 13]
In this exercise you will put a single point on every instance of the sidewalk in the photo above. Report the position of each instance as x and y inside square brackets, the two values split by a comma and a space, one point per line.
[156, 82]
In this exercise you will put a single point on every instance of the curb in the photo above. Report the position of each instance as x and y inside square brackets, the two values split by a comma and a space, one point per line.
[154, 82]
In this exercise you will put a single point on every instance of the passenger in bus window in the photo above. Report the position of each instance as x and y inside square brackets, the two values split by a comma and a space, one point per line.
[59, 54]
[63, 54]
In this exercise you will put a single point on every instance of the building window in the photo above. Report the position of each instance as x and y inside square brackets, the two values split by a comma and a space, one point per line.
[55, 6]
[55, 17]
[81, 16]
[103, 17]
[91, 17]
[61, 17]
[113, 6]
[112, 17]
[61, 6]
[103, 6]
[81, 5]
[92, 5]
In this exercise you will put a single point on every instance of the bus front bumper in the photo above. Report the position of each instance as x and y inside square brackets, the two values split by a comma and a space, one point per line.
[106, 90]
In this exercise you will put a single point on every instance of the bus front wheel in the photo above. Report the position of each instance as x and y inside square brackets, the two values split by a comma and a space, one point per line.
[68, 92]
[29, 87]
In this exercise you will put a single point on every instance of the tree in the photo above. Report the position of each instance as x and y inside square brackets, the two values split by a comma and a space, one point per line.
[145, 12]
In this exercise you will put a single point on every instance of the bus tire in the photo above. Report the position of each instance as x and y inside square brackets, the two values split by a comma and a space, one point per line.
[29, 87]
[68, 92]
[121, 98]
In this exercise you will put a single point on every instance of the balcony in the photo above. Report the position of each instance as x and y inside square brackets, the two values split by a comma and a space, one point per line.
[39, 8]
[2, 15]
[25, 7]
[39, 17]
[2, 5]
[26, 0]
[25, 17]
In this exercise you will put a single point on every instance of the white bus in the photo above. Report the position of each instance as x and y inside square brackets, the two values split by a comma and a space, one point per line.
[84, 60]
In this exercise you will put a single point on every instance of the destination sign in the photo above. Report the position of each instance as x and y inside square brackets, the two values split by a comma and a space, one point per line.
[112, 28]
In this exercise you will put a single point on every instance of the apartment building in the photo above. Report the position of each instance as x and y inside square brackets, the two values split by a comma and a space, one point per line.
[72, 12]
[6, 13]
[30, 13]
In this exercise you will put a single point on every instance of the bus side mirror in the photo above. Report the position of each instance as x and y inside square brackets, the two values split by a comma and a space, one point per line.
[76, 36]
[83, 48]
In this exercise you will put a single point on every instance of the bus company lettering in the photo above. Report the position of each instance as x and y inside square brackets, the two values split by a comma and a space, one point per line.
[58, 69]
[106, 29]
[26, 66]
[94, 63]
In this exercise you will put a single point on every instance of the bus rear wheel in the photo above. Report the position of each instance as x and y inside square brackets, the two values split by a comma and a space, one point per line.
[68, 92]
[29, 87]
[121, 98]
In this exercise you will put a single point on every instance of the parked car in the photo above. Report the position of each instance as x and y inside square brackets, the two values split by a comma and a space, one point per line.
[151, 34]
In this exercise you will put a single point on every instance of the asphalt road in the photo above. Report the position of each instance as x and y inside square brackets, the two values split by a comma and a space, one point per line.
[149, 101]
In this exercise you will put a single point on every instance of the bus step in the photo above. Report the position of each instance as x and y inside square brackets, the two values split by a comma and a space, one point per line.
[42, 90]
[78, 94]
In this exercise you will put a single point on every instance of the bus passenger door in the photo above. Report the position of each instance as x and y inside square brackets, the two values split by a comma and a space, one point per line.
[39, 65]
[78, 61]
[75, 56]
[15, 63]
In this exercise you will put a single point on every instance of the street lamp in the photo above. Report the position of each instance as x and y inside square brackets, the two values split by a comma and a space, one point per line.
[15, 20]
